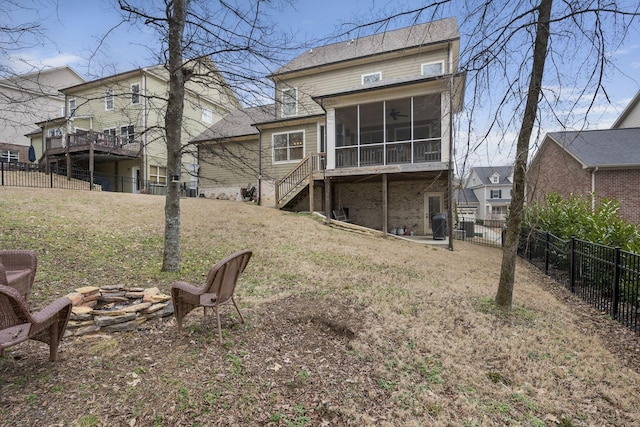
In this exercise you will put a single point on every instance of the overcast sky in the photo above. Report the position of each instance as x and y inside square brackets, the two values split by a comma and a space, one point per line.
[75, 29]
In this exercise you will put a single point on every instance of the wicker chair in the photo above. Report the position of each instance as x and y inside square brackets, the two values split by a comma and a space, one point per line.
[18, 325]
[18, 270]
[217, 290]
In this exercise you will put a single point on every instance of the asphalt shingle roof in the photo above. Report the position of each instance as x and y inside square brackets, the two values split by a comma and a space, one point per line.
[602, 148]
[485, 173]
[238, 123]
[465, 196]
[389, 41]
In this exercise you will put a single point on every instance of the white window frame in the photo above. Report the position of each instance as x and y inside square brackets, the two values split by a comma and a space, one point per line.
[207, 115]
[9, 156]
[495, 179]
[427, 64]
[498, 210]
[108, 100]
[369, 77]
[135, 94]
[54, 132]
[128, 134]
[289, 159]
[155, 176]
[322, 131]
[498, 192]
[72, 106]
[293, 103]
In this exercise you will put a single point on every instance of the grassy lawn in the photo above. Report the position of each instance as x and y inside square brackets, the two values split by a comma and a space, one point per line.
[341, 328]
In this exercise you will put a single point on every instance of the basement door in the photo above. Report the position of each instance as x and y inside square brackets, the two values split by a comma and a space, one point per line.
[135, 180]
[433, 204]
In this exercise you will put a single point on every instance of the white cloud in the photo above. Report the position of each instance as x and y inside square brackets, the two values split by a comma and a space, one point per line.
[29, 61]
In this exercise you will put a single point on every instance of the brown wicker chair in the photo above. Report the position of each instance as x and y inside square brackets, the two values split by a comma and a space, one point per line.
[217, 290]
[18, 325]
[18, 270]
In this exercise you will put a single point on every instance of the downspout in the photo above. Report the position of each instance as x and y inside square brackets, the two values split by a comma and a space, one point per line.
[593, 189]
[260, 168]
[143, 162]
[450, 180]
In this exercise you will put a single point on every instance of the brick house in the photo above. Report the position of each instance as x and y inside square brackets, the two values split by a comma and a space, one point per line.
[361, 127]
[605, 163]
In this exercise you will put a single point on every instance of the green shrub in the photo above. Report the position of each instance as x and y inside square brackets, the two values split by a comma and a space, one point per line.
[573, 216]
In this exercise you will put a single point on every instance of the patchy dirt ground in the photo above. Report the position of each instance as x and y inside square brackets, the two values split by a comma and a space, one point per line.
[341, 329]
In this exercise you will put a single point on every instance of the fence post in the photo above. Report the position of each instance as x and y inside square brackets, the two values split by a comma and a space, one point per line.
[616, 282]
[2, 174]
[546, 255]
[572, 266]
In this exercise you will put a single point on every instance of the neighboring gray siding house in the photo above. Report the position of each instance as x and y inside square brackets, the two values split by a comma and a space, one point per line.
[491, 186]
[26, 99]
[601, 162]
[361, 126]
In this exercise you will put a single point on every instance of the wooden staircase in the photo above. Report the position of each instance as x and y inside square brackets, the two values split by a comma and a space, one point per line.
[299, 178]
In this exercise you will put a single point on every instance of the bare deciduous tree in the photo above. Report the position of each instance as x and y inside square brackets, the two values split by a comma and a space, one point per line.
[507, 49]
[215, 43]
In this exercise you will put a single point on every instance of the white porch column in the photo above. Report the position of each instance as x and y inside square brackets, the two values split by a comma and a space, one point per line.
[331, 138]
[445, 124]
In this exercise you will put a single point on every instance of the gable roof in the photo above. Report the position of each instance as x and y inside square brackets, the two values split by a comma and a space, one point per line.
[606, 148]
[627, 110]
[238, 123]
[47, 81]
[465, 196]
[486, 172]
[390, 41]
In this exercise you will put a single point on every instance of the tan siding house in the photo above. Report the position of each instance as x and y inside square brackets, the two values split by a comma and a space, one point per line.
[114, 130]
[361, 126]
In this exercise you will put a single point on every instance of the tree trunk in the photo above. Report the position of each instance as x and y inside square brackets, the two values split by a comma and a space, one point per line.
[173, 127]
[504, 295]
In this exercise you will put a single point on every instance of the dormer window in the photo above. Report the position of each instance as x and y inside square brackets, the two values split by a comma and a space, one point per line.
[207, 115]
[371, 77]
[431, 69]
[495, 178]
[290, 102]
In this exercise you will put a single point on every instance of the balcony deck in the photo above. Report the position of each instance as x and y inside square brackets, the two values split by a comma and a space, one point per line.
[99, 143]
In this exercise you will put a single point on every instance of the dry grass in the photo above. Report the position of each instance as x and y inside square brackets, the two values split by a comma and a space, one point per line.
[342, 328]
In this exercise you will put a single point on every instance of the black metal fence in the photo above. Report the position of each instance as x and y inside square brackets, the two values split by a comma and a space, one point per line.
[605, 277]
[488, 232]
[17, 174]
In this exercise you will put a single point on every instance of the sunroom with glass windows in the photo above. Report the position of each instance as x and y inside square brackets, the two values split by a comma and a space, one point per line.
[399, 131]
[395, 127]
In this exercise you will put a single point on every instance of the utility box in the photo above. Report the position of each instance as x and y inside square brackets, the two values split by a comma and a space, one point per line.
[439, 226]
[469, 228]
